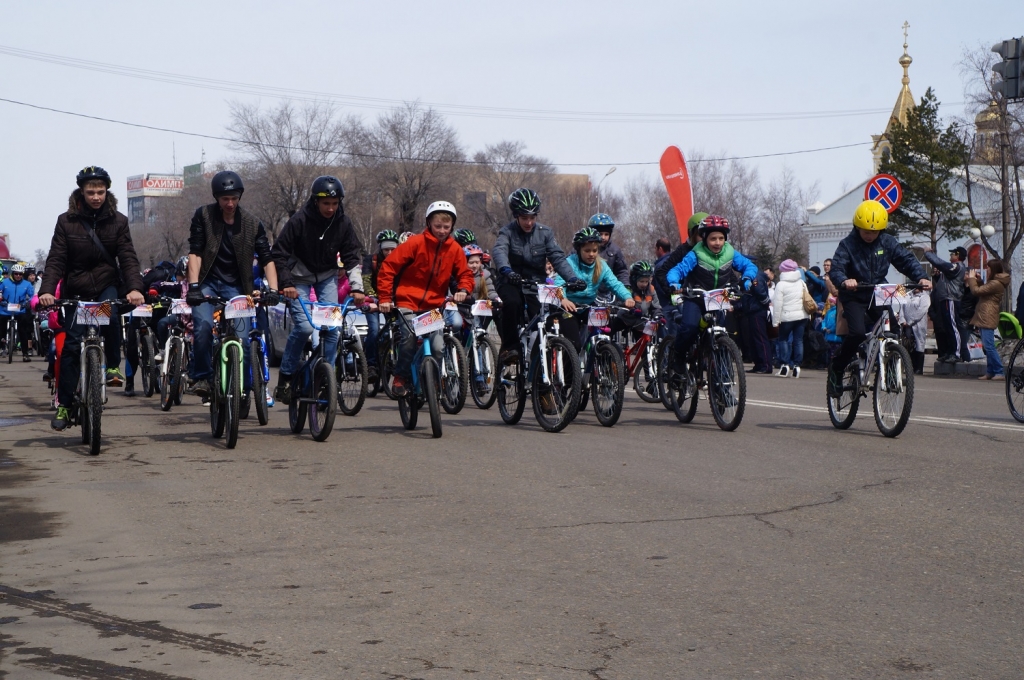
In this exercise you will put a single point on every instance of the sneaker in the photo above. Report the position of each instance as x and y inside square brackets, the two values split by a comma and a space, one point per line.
[547, 403]
[25, 357]
[371, 373]
[47, 377]
[783, 371]
[398, 387]
[834, 385]
[62, 420]
[206, 402]
[114, 377]
[507, 356]
[796, 371]
[201, 388]
[129, 387]
[158, 357]
[270, 398]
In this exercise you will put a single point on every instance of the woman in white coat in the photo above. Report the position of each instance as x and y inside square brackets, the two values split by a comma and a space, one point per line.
[790, 318]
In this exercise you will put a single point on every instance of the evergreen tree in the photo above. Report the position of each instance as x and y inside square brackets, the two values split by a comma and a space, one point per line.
[761, 255]
[925, 159]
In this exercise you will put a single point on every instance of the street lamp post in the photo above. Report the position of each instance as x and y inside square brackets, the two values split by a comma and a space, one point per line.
[610, 171]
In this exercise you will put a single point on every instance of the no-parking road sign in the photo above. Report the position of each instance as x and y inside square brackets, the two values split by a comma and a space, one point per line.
[886, 190]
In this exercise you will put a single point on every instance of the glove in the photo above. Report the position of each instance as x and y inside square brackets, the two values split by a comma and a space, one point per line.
[271, 298]
[510, 276]
[576, 285]
[195, 296]
[746, 283]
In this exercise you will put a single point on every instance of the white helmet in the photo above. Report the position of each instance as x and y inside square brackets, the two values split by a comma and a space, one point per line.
[18, 269]
[404, 236]
[442, 206]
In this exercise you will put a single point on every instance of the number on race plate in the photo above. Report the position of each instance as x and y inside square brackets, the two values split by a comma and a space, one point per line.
[93, 314]
[180, 307]
[482, 308]
[240, 307]
[429, 322]
[326, 315]
[717, 300]
[598, 317]
[13, 307]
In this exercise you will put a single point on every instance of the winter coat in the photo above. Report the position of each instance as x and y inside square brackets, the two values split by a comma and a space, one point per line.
[703, 269]
[868, 263]
[526, 253]
[483, 286]
[947, 278]
[788, 303]
[207, 231]
[75, 258]
[914, 314]
[646, 300]
[15, 293]
[990, 296]
[663, 267]
[828, 325]
[417, 274]
[604, 277]
[612, 254]
[308, 247]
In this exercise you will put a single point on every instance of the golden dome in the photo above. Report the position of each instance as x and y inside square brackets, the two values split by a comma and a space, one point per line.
[988, 118]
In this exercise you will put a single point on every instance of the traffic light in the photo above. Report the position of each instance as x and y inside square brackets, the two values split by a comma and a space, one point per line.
[1009, 68]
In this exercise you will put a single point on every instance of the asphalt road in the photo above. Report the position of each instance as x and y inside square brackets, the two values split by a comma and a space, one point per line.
[652, 549]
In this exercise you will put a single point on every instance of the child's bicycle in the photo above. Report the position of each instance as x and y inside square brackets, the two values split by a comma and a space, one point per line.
[602, 366]
[454, 385]
[483, 360]
[714, 363]
[314, 388]
[641, 359]
[882, 367]
[258, 373]
[86, 408]
[426, 371]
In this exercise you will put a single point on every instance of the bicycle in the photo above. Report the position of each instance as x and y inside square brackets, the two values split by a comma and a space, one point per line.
[482, 357]
[882, 366]
[426, 372]
[350, 365]
[602, 366]
[86, 407]
[548, 361]
[226, 393]
[454, 369]
[714, 364]
[177, 349]
[314, 389]
[387, 356]
[259, 375]
[1014, 370]
[145, 341]
[641, 360]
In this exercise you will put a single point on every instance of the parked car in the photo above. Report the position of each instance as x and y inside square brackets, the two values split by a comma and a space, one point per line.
[279, 323]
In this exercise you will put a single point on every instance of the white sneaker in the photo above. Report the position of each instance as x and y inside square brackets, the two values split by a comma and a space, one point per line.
[783, 372]
[159, 357]
[796, 371]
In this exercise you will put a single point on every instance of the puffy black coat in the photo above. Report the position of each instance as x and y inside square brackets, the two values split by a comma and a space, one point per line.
[312, 243]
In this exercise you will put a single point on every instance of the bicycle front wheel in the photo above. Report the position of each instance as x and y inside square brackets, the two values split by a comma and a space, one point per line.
[608, 384]
[386, 368]
[150, 374]
[169, 386]
[483, 374]
[323, 410]
[894, 389]
[217, 415]
[645, 377]
[663, 358]
[454, 383]
[350, 371]
[1015, 382]
[93, 397]
[12, 338]
[430, 374]
[233, 394]
[257, 366]
[727, 383]
[555, 403]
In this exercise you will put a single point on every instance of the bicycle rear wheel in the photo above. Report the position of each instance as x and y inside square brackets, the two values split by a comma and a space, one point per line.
[233, 394]
[608, 384]
[324, 409]
[483, 374]
[894, 391]
[430, 374]
[645, 377]
[147, 365]
[663, 358]
[1015, 382]
[556, 404]
[727, 383]
[93, 397]
[217, 415]
[169, 386]
[257, 366]
[842, 410]
[296, 411]
[454, 376]
[386, 370]
[350, 372]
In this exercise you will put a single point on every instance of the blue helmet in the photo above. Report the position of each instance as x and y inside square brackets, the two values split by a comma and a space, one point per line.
[601, 222]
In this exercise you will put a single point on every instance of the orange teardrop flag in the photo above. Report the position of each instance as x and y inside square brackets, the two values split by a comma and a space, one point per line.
[677, 182]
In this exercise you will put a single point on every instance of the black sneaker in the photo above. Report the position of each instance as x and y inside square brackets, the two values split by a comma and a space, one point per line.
[62, 420]
[201, 388]
[283, 393]
[129, 386]
[507, 356]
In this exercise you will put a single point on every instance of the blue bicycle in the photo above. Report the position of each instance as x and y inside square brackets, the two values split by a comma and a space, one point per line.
[314, 388]
[426, 372]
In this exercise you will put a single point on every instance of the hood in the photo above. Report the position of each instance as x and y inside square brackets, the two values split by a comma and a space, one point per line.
[1002, 278]
[789, 276]
[76, 200]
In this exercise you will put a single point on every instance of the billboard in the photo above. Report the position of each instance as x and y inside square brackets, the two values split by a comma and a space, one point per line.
[153, 184]
[193, 175]
[136, 211]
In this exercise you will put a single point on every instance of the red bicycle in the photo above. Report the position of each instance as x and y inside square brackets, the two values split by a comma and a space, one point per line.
[641, 359]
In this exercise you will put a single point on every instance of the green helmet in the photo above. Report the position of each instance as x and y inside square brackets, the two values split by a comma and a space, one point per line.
[464, 237]
[387, 236]
[524, 202]
[640, 269]
[585, 235]
[695, 221]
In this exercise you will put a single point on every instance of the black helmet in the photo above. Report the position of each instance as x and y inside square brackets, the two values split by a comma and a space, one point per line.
[29, 269]
[227, 182]
[92, 173]
[464, 237]
[640, 269]
[585, 235]
[524, 202]
[327, 187]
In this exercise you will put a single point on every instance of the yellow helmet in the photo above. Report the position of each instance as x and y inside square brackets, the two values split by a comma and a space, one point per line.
[871, 216]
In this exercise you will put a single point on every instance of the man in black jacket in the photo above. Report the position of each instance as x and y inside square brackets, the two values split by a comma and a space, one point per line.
[222, 242]
[307, 253]
[947, 296]
[92, 253]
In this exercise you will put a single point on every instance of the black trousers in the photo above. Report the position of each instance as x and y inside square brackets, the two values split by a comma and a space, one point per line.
[24, 324]
[512, 301]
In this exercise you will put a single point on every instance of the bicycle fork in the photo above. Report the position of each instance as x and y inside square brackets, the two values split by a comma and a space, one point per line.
[224, 363]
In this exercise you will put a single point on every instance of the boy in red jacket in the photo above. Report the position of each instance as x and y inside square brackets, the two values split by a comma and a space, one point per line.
[416, 278]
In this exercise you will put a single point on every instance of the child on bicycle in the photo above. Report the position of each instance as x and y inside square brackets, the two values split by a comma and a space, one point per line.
[864, 257]
[711, 264]
[387, 241]
[641, 286]
[591, 268]
[483, 286]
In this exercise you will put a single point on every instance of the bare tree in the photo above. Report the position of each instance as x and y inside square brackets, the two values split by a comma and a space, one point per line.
[783, 211]
[728, 188]
[501, 169]
[645, 216]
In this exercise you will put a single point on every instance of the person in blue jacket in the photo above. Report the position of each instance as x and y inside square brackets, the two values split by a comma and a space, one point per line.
[713, 263]
[588, 266]
[16, 291]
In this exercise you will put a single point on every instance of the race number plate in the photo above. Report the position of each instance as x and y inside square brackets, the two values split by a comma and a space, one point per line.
[13, 307]
[93, 314]
[550, 295]
[450, 306]
[429, 322]
[482, 308]
[326, 315]
[240, 307]
[651, 328]
[890, 294]
[181, 308]
[717, 300]
[142, 311]
[598, 317]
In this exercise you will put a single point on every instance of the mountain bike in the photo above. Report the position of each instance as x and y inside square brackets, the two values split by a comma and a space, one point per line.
[545, 359]
[714, 364]
[426, 371]
[228, 365]
[454, 385]
[314, 388]
[641, 360]
[350, 365]
[144, 338]
[602, 366]
[882, 367]
[258, 373]
[483, 359]
[177, 349]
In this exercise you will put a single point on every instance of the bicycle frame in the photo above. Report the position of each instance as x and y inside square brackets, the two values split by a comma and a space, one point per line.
[530, 334]
[92, 338]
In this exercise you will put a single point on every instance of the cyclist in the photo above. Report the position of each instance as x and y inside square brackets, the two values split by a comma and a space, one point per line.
[864, 257]
[33, 277]
[387, 241]
[176, 289]
[610, 252]
[665, 263]
[713, 263]
[222, 241]
[595, 273]
[519, 254]
[92, 253]
[17, 291]
[483, 286]
[416, 278]
[645, 297]
[464, 237]
[306, 254]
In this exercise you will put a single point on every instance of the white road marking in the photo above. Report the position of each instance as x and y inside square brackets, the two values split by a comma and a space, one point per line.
[927, 420]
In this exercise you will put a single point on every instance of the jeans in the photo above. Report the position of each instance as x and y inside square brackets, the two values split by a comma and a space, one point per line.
[327, 292]
[70, 356]
[202, 330]
[407, 350]
[453, 318]
[994, 365]
[688, 329]
[791, 342]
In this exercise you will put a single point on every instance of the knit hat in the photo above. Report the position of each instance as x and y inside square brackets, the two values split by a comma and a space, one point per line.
[788, 266]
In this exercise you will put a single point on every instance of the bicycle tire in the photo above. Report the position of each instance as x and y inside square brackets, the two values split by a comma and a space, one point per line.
[897, 394]
[566, 384]
[1015, 382]
[350, 372]
[147, 365]
[454, 378]
[511, 391]
[12, 338]
[245, 406]
[645, 377]
[842, 410]
[386, 371]
[483, 365]
[94, 398]
[663, 357]
[727, 383]
[680, 391]
[233, 395]
[216, 400]
[430, 374]
[296, 412]
[323, 411]
[408, 408]
[257, 364]
[169, 386]
[608, 384]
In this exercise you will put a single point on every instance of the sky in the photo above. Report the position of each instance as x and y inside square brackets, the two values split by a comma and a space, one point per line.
[506, 65]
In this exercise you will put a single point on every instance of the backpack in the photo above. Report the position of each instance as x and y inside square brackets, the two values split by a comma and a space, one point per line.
[164, 271]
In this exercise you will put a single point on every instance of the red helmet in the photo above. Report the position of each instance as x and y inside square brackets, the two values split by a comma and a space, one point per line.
[713, 223]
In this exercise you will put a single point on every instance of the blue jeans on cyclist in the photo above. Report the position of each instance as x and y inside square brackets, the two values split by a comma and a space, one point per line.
[202, 331]
[70, 359]
[327, 292]
[407, 350]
